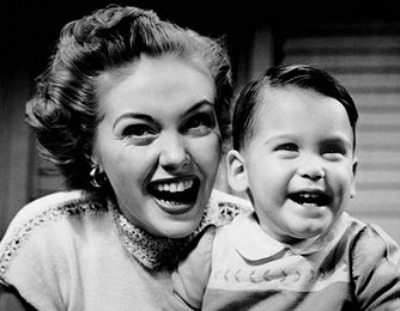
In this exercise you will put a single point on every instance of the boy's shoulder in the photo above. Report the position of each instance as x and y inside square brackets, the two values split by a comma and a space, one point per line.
[224, 207]
[370, 241]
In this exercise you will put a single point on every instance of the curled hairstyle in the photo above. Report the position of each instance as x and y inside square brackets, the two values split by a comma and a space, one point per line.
[306, 77]
[64, 113]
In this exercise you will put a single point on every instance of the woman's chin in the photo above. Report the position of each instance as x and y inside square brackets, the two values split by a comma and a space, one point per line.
[180, 231]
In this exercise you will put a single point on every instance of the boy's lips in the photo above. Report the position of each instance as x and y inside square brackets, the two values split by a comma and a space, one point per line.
[175, 194]
[311, 198]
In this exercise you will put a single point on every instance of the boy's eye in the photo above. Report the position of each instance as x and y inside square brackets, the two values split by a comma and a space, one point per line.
[287, 151]
[333, 151]
[287, 147]
[333, 148]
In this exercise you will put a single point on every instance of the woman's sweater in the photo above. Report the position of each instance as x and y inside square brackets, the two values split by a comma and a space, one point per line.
[67, 251]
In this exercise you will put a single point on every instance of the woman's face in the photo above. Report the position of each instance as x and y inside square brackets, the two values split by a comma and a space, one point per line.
[159, 142]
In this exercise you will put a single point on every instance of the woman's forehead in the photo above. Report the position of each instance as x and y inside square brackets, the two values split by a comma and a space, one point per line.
[153, 85]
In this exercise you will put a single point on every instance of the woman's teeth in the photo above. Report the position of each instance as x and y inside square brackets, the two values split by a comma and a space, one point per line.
[175, 187]
[175, 192]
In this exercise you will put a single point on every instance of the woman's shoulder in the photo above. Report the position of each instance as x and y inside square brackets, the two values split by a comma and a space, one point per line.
[43, 223]
[47, 202]
[47, 208]
[224, 207]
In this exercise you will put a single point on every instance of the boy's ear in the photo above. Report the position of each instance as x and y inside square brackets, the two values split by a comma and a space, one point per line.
[236, 171]
[353, 182]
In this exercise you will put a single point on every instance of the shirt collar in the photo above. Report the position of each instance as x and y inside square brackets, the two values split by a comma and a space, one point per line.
[252, 243]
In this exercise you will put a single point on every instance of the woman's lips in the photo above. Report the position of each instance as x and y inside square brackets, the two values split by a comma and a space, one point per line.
[175, 195]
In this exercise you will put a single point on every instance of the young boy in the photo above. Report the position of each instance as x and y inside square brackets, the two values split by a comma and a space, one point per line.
[294, 140]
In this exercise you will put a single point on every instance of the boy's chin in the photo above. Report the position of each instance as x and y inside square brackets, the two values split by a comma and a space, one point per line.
[310, 233]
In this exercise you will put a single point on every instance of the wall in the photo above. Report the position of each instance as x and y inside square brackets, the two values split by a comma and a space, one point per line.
[256, 41]
[15, 144]
[365, 57]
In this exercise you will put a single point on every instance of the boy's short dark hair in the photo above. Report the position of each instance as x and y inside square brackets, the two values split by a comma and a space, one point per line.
[302, 76]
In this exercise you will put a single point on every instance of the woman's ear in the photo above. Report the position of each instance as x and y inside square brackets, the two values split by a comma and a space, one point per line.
[236, 171]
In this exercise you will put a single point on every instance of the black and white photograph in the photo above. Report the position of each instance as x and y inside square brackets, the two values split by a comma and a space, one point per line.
[199, 155]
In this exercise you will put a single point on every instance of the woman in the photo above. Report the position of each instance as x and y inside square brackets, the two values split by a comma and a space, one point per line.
[134, 111]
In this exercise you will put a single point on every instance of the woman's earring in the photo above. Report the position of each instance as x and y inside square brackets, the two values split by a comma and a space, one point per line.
[97, 178]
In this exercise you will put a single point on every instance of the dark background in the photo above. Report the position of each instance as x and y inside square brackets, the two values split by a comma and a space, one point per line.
[29, 29]
[357, 41]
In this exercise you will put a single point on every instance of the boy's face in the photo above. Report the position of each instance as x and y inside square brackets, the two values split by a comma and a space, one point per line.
[299, 167]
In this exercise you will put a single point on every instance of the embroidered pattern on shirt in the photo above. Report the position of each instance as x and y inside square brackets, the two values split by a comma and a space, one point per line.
[69, 208]
[299, 277]
[151, 251]
[160, 252]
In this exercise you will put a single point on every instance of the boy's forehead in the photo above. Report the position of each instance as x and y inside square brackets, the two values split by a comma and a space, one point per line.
[290, 106]
[270, 97]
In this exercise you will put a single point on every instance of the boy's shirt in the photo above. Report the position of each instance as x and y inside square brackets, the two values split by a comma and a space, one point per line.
[239, 267]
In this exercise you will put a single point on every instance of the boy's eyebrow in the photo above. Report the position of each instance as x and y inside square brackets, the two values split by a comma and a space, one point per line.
[339, 139]
[342, 139]
[280, 136]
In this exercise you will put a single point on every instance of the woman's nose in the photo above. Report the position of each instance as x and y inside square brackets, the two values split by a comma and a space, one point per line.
[311, 168]
[174, 155]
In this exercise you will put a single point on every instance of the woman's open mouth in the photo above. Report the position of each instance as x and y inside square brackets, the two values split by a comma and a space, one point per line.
[175, 193]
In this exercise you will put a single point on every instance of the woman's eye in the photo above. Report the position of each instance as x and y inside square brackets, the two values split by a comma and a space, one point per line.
[200, 124]
[139, 133]
[135, 130]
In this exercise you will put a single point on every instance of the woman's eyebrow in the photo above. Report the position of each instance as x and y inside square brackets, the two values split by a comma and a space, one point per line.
[198, 106]
[147, 118]
[133, 115]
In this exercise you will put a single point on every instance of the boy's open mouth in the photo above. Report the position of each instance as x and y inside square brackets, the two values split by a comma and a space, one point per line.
[175, 192]
[316, 198]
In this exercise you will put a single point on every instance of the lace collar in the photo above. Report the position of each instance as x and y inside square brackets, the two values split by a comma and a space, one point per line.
[151, 251]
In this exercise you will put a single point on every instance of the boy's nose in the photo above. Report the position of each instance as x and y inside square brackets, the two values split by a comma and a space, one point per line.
[312, 169]
[174, 155]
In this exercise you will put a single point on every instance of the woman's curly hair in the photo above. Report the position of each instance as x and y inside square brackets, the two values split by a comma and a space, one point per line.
[64, 112]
